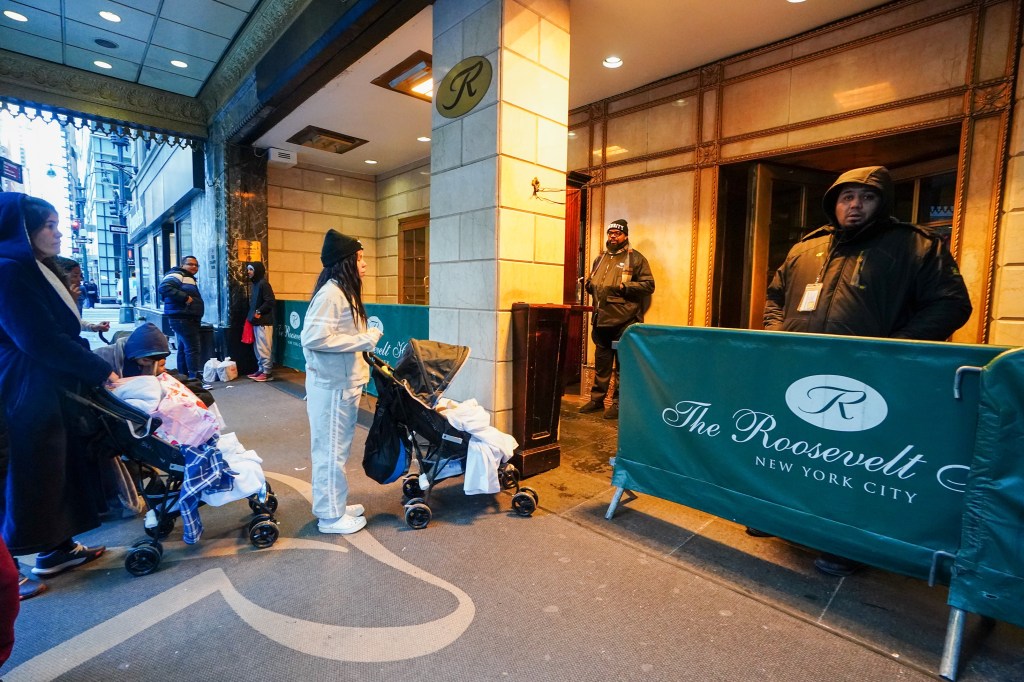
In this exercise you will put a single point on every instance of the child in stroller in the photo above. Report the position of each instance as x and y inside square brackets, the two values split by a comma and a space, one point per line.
[173, 478]
[449, 439]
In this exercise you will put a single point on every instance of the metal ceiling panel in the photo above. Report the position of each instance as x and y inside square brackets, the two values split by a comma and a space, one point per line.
[134, 23]
[85, 36]
[155, 78]
[206, 15]
[51, 6]
[33, 46]
[83, 59]
[40, 22]
[160, 58]
[192, 41]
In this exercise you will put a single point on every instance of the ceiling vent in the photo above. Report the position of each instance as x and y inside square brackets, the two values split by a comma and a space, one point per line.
[281, 158]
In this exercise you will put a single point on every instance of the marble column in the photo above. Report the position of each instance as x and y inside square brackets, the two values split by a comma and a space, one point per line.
[493, 241]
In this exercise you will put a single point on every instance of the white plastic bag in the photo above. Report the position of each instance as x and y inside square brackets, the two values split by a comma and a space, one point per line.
[210, 370]
[227, 370]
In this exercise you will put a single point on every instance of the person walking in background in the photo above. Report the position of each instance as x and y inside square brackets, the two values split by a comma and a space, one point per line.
[183, 306]
[90, 292]
[261, 317]
[334, 338]
[52, 490]
[866, 274]
[621, 283]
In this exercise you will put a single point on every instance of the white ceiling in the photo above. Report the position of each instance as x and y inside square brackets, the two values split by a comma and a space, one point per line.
[654, 38]
[150, 34]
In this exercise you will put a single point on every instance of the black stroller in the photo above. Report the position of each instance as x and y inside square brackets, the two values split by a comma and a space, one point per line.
[158, 470]
[405, 422]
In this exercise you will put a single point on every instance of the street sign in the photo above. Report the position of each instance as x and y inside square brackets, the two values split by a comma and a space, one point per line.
[10, 170]
[119, 229]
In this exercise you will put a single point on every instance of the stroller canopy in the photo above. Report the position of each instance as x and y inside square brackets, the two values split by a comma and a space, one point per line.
[428, 367]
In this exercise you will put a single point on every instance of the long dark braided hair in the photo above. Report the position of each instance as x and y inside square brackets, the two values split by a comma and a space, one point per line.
[346, 273]
[35, 212]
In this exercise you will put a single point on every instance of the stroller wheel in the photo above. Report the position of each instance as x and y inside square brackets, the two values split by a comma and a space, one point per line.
[144, 542]
[263, 534]
[411, 486]
[142, 560]
[270, 506]
[524, 504]
[509, 477]
[163, 529]
[417, 515]
[532, 493]
[259, 518]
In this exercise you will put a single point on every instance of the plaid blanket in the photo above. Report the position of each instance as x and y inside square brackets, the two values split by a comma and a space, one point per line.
[205, 471]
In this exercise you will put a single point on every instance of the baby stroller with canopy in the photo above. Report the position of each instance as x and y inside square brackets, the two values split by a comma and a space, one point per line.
[157, 469]
[406, 423]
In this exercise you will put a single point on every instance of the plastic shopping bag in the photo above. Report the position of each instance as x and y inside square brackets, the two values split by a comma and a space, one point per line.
[210, 370]
[227, 370]
[248, 335]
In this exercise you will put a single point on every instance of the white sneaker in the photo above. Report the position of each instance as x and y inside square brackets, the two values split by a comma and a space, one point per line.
[345, 525]
[354, 510]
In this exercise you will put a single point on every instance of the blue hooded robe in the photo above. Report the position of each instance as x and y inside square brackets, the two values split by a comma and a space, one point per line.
[47, 496]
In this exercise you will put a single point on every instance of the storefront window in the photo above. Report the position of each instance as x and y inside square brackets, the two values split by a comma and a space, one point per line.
[146, 295]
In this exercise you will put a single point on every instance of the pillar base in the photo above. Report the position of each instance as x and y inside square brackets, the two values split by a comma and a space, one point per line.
[537, 460]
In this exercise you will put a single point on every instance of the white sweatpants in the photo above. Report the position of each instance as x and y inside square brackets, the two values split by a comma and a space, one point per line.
[332, 424]
[263, 345]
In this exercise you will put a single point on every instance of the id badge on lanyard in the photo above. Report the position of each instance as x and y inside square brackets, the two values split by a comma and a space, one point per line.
[809, 301]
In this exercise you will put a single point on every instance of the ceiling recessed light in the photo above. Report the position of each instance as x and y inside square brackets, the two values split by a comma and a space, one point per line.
[10, 14]
[572, 134]
[110, 16]
[795, 1]
[371, 162]
[180, 64]
[612, 62]
[102, 65]
[423, 138]
[109, 44]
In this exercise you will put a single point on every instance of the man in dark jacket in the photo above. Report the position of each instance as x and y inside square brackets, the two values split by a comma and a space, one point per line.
[621, 283]
[183, 306]
[867, 274]
[261, 316]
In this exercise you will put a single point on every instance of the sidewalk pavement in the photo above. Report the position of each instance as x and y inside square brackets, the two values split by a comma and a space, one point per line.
[660, 593]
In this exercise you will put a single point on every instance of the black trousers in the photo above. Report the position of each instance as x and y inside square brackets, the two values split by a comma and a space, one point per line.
[187, 331]
[606, 362]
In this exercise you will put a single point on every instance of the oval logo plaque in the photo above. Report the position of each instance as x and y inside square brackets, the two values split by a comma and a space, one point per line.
[463, 87]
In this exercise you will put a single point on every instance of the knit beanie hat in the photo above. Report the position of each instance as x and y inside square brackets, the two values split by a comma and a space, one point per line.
[620, 224]
[337, 247]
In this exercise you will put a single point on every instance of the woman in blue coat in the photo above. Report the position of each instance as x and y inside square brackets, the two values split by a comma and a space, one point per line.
[46, 498]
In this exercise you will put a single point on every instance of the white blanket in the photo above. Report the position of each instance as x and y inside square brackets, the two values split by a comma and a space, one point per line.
[249, 478]
[489, 448]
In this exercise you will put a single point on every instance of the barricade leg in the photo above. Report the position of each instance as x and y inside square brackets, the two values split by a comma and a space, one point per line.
[616, 498]
[951, 648]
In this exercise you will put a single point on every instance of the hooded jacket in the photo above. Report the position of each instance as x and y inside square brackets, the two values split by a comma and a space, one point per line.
[50, 488]
[887, 279]
[261, 297]
[175, 289]
[615, 305]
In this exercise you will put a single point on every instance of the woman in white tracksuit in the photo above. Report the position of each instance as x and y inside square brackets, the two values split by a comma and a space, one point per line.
[334, 338]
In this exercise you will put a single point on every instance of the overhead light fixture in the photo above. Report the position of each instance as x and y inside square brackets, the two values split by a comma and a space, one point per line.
[178, 63]
[11, 14]
[325, 140]
[102, 65]
[109, 44]
[110, 16]
[612, 62]
[423, 138]
[50, 173]
[371, 162]
[572, 134]
[795, 1]
[413, 76]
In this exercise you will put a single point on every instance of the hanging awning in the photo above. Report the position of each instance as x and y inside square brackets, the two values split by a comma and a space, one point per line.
[100, 124]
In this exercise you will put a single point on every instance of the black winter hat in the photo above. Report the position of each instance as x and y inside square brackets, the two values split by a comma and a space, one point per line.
[619, 224]
[145, 342]
[338, 246]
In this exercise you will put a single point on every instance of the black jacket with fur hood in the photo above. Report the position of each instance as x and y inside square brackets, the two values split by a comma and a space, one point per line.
[888, 279]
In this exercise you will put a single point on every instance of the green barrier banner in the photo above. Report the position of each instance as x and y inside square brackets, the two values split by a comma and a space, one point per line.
[989, 569]
[399, 323]
[848, 445]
